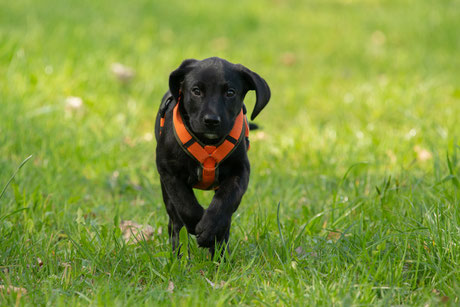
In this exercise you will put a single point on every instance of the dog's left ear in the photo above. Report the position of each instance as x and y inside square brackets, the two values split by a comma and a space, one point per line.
[177, 77]
[255, 82]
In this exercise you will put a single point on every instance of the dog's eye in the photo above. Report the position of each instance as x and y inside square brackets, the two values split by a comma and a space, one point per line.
[230, 92]
[196, 91]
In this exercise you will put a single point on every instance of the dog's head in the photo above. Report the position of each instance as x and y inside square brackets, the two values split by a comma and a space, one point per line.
[212, 93]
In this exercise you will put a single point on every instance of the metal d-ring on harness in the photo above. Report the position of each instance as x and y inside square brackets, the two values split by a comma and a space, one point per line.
[208, 156]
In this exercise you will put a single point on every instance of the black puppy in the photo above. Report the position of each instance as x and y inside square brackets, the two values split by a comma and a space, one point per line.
[201, 134]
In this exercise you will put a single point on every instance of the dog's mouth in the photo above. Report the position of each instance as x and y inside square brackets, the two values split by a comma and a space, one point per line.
[211, 136]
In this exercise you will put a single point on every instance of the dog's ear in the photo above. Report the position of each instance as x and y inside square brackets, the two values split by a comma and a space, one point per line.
[177, 76]
[255, 82]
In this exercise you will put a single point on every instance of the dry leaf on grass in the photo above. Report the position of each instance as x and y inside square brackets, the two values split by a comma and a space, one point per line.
[334, 235]
[220, 43]
[213, 285]
[288, 58]
[392, 156]
[11, 289]
[300, 251]
[378, 38]
[259, 135]
[73, 103]
[422, 154]
[122, 72]
[170, 287]
[148, 137]
[134, 232]
[74, 106]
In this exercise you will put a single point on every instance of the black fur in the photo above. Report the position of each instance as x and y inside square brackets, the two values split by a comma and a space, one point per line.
[211, 95]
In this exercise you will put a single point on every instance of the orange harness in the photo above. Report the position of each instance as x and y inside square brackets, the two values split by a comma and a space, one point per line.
[208, 156]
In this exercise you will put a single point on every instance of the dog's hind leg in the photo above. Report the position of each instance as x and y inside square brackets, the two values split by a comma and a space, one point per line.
[173, 231]
[175, 223]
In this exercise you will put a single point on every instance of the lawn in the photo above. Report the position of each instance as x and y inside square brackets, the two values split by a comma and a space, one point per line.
[354, 197]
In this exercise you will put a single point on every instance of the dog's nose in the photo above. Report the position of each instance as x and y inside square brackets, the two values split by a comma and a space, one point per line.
[211, 120]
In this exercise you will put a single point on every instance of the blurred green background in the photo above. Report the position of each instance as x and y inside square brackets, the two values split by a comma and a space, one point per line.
[371, 85]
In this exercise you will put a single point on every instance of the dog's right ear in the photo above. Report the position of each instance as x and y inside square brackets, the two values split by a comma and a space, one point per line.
[177, 77]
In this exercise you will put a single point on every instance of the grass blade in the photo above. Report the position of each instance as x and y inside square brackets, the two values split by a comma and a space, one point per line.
[14, 175]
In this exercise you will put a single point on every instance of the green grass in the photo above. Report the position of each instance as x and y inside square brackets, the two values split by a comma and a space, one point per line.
[359, 147]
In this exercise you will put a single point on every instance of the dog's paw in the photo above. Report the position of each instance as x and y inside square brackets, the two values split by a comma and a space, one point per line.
[212, 229]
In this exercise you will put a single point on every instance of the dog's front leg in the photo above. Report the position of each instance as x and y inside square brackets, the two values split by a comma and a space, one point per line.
[183, 201]
[214, 226]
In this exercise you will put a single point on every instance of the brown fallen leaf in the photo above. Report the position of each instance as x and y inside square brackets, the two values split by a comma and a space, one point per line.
[422, 154]
[300, 251]
[378, 38]
[170, 287]
[213, 285]
[220, 43]
[148, 137]
[12, 289]
[288, 58]
[134, 232]
[392, 156]
[334, 235]
[445, 299]
[122, 72]
[259, 135]
[73, 103]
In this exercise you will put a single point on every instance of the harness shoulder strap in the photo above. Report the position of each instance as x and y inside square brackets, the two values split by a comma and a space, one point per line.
[164, 106]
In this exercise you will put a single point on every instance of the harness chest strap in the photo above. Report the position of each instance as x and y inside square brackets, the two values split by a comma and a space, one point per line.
[208, 156]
